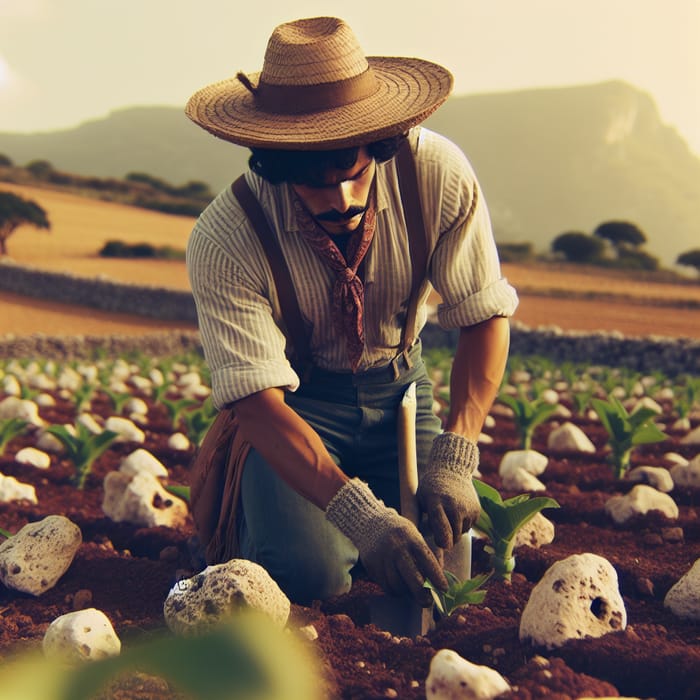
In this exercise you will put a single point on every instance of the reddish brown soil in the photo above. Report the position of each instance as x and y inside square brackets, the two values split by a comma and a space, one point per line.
[128, 571]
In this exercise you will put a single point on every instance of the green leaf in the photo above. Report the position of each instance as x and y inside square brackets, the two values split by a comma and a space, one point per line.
[182, 492]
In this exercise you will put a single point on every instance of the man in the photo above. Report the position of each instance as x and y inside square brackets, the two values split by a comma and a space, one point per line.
[320, 484]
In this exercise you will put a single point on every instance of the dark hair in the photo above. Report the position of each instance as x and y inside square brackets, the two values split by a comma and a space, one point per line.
[306, 167]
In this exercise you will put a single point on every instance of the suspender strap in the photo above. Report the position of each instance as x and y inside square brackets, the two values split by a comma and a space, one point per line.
[418, 248]
[280, 273]
[417, 243]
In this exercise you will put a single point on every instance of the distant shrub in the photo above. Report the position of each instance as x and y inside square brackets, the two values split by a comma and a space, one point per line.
[515, 252]
[120, 249]
[5, 161]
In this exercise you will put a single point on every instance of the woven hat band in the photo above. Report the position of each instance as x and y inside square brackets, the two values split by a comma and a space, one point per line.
[300, 99]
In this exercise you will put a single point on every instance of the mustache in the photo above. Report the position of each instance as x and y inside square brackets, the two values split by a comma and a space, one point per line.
[337, 217]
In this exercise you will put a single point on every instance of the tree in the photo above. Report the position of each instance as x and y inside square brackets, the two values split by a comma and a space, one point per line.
[578, 247]
[691, 258]
[621, 234]
[16, 211]
[40, 169]
[636, 259]
[5, 161]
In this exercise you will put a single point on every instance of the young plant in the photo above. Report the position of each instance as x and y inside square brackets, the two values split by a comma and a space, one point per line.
[459, 593]
[500, 521]
[82, 396]
[117, 399]
[527, 414]
[4, 533]
[176, 409]
[11, 428]
[83, 448]
[198, 421]
[626, 431]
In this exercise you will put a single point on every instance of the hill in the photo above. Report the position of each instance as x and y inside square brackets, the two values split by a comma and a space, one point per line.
[549, 160]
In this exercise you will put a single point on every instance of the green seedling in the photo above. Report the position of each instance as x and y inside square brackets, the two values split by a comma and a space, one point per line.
[626, 431]
[198, 421]
[527, 414]
[500, 521]
[82, 396]
[4, 533]
[117, 399]
[176, 409]
[459, 593]
[11, 428]
[83, 448]
[182, 492]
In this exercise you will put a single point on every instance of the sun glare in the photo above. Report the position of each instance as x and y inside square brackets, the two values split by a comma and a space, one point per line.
[4, 73]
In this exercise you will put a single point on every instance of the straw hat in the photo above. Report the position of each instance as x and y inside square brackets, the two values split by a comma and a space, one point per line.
[318, 91]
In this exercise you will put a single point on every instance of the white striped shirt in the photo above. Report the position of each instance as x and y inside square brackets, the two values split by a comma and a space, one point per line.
[237, 305]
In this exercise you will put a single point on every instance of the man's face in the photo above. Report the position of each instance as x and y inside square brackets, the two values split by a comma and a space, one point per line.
[340, 198]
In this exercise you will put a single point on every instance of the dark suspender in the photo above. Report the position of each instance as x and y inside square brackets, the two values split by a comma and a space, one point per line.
[417, 243]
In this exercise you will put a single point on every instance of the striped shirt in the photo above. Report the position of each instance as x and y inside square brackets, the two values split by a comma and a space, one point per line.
[237, 306]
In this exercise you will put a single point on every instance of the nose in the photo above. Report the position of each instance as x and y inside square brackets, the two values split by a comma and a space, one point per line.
[342, 196]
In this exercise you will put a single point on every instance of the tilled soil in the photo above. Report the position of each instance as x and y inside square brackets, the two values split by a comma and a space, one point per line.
[127, 571]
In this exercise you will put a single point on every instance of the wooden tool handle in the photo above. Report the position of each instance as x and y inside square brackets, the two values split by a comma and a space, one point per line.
[408, 459]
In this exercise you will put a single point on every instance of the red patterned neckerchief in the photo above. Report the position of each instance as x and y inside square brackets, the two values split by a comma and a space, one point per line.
[348, 290]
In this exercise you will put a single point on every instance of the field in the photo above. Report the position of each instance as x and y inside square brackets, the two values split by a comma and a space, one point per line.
[81, 226]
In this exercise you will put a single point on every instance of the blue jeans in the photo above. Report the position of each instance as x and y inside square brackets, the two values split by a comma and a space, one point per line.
[355, 416]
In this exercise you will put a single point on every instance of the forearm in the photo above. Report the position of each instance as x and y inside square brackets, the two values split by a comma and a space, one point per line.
[477, 371]
[289, 445]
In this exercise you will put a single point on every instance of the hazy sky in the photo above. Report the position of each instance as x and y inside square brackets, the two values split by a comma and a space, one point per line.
[66, 61]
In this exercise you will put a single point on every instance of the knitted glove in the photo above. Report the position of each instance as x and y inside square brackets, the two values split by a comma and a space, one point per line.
[391, 549]
[445, 489]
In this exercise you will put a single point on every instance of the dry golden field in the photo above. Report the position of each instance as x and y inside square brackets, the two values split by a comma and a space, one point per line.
[81, 226]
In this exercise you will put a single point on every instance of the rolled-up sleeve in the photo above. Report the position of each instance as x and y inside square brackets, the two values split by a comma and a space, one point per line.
[464, 268]
[243, 346]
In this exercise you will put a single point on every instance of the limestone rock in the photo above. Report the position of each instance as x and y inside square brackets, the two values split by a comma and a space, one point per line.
[13, 490]
[577, 597]
[179, 441]
[536, 532]
[453, 678]
[141, 460]
[49, 443]
[656, 477]
[39, 554]
[33, 457]
[83, 635]
[127, 430]
[683, 598]
[530, 460]
[692, 438]
[195, 604]
[141, 499]
[639, 501]
[569, 438]
[521, 480]
[687, 475]
[13, 407]
[87, 420]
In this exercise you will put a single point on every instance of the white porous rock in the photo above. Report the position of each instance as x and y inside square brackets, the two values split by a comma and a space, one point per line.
[11, 385]
[681, 424]
[13, 490]
[687, 475]
[521, 480]
[45, 400]
[195, 604]
[141, 460]
[69, 380]
[648, 402]
[13, 407]
[550, 396]
[141, 383]
[489, 422]
[41, 382]
[657, 477]
[140, 499]
[33, 457]
[639, 501]
[49, 443]
[452, 677]
[569, 438]
[692, 438]
[536, 532]
[136, 405]
[577, 597]
[683, 598]
[674, 458]
[126, 429]
[179, 441]
[83, 635]
[529, 460]
[561, 411]
[39, 554]
[87, 420]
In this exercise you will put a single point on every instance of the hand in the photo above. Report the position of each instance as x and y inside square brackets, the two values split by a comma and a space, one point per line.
[391, 549]
[445, 489]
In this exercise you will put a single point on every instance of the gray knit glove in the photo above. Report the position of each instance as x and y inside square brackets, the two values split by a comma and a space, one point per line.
[445, 489]
[391, 549]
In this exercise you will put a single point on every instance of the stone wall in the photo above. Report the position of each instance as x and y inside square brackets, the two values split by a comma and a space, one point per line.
[672, 356]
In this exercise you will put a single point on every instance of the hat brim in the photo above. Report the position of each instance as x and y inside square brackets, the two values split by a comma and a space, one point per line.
[408, 91]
